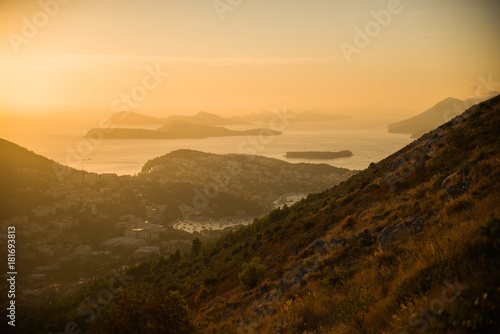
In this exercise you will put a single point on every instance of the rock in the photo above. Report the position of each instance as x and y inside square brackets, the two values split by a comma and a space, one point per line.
[240, 323]
[318, 246]
[396, 233]
[279, 330]
[451, 179]
[246, 294]
[456, 184]
[336, 243]
[231, 306]
[365, 234]
[458, 188]
[294, 248]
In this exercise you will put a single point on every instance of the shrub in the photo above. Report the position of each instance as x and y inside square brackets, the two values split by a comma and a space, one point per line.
[458, 138]
[340, 275]
[164, 312]
[307, 226]
[492, 230]
[352, 309]
[348, 223]
[252, 274]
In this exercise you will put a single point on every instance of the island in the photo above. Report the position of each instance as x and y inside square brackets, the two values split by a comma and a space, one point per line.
[319, 155]
[176, 130]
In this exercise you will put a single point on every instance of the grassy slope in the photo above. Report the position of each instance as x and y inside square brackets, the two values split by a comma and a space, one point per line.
[443, 241]
[355, 284]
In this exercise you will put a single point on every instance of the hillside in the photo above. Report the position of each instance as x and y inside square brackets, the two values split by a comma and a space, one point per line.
[24, 178]
[14, 156]
[429, 119]
[436, 116]
[410, 244]
[252, 177]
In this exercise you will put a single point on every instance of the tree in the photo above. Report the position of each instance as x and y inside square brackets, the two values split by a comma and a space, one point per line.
[196, 248]
[168, 313]
[176, 256]
[126, 317]
[252, 274]
[164, 312]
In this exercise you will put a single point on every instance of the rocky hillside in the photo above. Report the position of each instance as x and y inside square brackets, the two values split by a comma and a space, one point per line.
[409, 245]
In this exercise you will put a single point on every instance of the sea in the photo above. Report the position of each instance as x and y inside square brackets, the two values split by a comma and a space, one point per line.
[367, 139]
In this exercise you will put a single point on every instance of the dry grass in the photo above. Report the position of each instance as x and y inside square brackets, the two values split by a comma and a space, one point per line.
[403, 278]
[348, 223]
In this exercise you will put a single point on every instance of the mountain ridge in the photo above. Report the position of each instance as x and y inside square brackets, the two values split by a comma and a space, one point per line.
[435, 116]
[200, 118]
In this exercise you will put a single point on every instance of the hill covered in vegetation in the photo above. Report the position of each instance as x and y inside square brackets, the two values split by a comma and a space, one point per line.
[247, 176]
[24, 178]
[411, 244]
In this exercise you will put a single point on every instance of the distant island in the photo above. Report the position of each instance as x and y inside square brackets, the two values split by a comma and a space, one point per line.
[319, 155]
[178, 130]
[204, 118]
[201, 118]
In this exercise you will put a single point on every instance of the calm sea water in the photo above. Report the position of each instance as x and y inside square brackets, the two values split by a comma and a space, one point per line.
[368, 140]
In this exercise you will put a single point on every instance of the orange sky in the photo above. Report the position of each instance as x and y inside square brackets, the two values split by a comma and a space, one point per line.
[262, 55]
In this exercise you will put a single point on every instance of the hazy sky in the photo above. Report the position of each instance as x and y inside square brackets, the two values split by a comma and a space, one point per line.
[251, 56]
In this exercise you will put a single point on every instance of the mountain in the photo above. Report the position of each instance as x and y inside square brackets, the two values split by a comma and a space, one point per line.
[430, 118]
[412, 243]
[13, 156]
[435, 116]
[182, 128]
[201, 118]
[24, 179]
[177, 130]
[204, 118]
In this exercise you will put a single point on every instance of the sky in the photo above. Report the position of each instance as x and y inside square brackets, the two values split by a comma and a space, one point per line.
[238, 56]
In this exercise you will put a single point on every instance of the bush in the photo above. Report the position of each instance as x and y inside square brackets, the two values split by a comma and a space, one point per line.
[252, 274]
[164, 312]
[348, 223]
[352, 309]
[459, 138]
[340, 275]
[307, 226]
